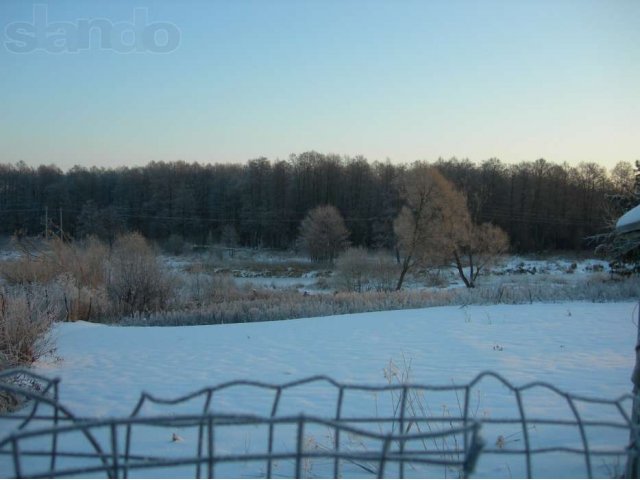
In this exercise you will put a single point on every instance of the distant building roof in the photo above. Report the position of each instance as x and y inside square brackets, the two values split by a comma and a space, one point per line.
[630, 221]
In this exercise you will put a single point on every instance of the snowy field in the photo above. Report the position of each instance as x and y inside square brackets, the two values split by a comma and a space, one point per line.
[582, 348]
[285, 270]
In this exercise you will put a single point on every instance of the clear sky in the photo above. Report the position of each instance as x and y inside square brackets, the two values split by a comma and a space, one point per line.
[407, 80]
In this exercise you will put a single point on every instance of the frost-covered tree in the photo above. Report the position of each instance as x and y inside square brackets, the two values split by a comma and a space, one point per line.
[477, 250]
[620, 248]
[435, 227]
[626, 192]
[323, 234]
[418, 226]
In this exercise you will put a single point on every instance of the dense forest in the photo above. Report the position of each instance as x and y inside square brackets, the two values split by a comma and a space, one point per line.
[541, 205]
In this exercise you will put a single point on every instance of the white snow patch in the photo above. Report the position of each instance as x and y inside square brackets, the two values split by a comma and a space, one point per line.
[629, 221]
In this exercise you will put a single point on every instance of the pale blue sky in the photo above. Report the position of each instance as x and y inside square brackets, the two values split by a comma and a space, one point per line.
[517, 80]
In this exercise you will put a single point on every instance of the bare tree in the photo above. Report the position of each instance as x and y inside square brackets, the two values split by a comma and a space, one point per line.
[323, 234]
[623, 178]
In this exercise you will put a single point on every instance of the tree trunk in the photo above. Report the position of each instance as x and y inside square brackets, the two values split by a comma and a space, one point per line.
[405, 269]
[461, 270]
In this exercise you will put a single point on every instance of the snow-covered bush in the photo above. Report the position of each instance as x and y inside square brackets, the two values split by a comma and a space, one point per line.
[323, 234]
[26, 316]
[136, 281]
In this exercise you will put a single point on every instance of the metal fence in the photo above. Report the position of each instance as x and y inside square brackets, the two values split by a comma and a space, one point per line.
[401, 435]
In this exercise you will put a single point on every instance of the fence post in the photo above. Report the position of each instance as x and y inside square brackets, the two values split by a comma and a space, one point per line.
[633, 461]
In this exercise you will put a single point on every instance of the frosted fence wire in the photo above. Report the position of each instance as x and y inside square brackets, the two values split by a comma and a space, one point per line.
[45, 439]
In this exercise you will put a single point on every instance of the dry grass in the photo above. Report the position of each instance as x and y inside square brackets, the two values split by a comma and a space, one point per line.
[358, 270]
[79, 302]
[55, 281]
[42, 263]
[89, 281]
[250, 305]
[74, 273]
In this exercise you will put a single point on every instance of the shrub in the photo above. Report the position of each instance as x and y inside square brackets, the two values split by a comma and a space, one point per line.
[358, 271]
[352, 269]
[42, 264]
[83, 261]
[385, 272]
[323, 234]
[86, 280]
[73, 273]
[199, 289]
[223, 287]
[26, 316]
[33, 266]
[79, 302]
[136, 282]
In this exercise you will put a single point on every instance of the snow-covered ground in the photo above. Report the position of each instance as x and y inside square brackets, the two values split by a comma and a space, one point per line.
[550, 266]
[285, 270]
[585, 348]
[582, 348]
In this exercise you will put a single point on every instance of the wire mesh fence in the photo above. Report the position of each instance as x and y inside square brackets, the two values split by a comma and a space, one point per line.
[255, 429]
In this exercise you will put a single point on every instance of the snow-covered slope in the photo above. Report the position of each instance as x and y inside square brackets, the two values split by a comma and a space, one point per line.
[583, 348]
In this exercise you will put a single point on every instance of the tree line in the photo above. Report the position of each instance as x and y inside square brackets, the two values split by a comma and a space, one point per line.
[540, 205]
